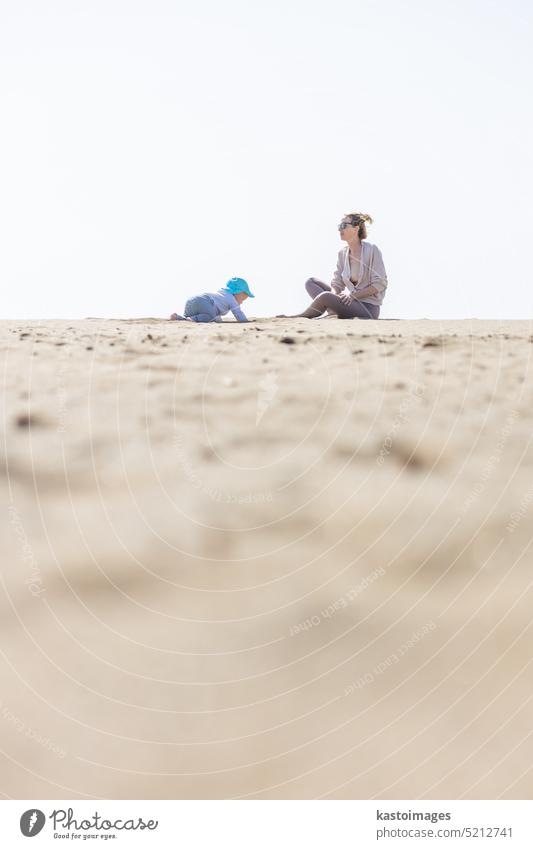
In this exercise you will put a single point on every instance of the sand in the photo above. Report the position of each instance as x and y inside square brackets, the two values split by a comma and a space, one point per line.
[288, 559]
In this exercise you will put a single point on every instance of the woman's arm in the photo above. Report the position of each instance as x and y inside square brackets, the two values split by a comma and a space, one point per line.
[359, 294]
[337, 284]
[378, 278]
[378, 275]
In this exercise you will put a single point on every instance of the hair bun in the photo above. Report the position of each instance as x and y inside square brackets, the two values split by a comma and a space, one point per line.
[359, 219]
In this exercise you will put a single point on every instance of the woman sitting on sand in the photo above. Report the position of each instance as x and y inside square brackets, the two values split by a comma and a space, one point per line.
[360, 270]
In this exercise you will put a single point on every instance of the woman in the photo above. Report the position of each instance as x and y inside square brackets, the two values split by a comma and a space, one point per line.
[360, 270]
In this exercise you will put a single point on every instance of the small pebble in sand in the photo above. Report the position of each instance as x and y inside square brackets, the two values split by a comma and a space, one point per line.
[287, 340]
[28, 420]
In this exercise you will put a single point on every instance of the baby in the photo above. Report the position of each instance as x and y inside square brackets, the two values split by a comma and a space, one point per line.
[212, 305]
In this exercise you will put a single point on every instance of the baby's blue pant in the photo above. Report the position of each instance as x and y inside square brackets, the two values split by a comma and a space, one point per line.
[201, 308]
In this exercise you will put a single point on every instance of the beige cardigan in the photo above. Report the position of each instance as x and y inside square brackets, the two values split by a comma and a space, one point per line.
[372, 273]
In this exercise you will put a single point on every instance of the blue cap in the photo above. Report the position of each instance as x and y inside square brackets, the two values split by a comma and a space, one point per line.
[237, 284]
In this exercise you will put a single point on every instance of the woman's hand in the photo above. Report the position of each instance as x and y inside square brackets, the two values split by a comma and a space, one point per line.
[346, 298]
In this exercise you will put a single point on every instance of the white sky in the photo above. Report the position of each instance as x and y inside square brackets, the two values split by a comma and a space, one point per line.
[152, 149]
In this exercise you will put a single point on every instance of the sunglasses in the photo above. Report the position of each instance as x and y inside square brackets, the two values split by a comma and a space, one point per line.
[345, 224]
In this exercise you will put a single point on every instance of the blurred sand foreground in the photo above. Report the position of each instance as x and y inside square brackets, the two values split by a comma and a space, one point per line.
[287, 559]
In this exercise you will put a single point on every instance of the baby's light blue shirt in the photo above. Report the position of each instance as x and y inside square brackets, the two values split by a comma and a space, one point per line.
[225, 301]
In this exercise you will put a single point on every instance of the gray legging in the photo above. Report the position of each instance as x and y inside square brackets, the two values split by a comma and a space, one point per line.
[328, 300]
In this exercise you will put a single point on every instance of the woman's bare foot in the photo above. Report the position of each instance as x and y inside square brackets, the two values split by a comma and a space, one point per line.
[176, 317]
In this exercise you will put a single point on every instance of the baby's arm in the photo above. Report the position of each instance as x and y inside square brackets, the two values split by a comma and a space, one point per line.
[239, 315]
